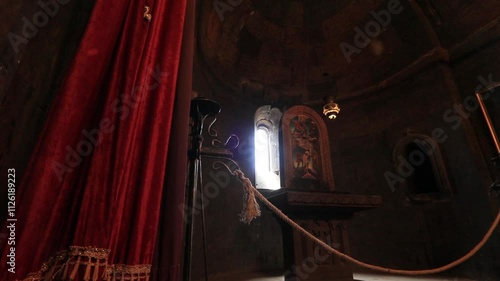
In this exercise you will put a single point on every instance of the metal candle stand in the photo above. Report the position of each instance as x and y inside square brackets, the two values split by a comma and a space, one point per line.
[201, 109]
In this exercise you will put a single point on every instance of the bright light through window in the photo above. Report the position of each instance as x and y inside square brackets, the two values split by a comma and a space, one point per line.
[266, 172]
[262, 150]
[267, 161]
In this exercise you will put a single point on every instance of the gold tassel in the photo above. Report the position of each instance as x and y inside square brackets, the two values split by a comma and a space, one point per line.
[50, 273]
[75, 269]
[96, 271]
[65, 271]
[105, 273]
[88, 268]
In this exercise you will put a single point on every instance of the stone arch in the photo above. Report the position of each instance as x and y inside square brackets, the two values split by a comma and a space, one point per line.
[426, 177]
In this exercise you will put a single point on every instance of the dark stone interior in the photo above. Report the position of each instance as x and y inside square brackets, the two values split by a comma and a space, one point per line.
[417, 76]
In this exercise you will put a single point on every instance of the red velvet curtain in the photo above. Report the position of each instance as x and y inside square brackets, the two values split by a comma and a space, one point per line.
[99, 171]
[167, 264]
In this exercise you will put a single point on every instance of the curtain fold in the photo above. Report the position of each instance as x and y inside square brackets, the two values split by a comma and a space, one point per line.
[167, 264]
[98, 173]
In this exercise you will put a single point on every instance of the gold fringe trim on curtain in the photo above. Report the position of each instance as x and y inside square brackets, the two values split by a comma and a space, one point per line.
[120, 272]
[87, 264]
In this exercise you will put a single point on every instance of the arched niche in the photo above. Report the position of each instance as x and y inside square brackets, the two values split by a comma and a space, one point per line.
[306, 149]
[425, 177]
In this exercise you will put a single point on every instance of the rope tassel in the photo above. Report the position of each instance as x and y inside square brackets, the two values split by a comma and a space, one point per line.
[251, 208]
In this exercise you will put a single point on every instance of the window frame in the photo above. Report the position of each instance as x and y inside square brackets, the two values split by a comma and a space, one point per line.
[269, 118]
[439, 169]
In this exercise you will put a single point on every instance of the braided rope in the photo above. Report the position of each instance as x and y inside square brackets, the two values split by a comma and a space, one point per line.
[251, 191]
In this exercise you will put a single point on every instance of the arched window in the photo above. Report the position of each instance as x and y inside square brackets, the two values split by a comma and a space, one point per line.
[266, 137]
[425, 179]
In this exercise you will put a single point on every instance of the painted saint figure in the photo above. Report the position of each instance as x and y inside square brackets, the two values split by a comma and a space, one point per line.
[305, 154]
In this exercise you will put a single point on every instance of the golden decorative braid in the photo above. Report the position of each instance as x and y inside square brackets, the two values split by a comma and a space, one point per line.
[92, 263]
